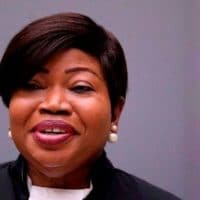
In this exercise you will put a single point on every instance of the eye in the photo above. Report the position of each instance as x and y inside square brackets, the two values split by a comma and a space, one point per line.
[32, 86]
[82, 89]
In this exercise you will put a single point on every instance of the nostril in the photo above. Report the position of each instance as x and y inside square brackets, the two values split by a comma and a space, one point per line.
[54, 112]
[61, 112]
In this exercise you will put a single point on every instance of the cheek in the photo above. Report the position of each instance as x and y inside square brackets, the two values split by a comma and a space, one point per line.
[16, 113]
[95, 115]
[20, 110]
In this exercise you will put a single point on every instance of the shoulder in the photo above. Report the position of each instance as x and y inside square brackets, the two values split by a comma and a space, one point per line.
[6, 189]
[146, 190]
[4, 172]
[4, 167]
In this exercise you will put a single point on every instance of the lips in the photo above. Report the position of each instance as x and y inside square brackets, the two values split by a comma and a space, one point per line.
[52, 132]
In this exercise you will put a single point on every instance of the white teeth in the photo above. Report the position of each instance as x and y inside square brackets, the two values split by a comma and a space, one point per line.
[54, 130]
[57, 130]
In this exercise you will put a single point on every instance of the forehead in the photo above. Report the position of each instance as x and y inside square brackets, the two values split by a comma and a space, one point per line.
[74, 58]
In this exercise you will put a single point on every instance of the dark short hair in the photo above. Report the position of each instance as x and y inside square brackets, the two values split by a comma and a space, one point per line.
[36, 43]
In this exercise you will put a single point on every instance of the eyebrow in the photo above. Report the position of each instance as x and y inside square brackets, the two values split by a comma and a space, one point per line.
[74, 70]
[81, 69]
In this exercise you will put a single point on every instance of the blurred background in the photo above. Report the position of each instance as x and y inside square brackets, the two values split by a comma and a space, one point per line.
[158, 136]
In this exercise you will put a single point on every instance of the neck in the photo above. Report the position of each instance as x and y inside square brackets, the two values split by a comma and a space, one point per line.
[78, 179]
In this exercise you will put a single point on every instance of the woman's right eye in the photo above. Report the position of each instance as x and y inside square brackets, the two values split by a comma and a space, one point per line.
[32, 86]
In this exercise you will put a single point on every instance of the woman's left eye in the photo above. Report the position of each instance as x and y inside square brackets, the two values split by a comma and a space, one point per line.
[82, 89]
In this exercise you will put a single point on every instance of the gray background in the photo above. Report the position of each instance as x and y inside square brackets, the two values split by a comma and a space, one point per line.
[159, 138]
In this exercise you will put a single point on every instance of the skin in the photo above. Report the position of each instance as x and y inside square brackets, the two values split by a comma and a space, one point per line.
[71, 89]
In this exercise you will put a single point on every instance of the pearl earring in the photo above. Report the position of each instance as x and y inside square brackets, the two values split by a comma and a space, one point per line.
[114, 128]
[9, 133]
[113, 137]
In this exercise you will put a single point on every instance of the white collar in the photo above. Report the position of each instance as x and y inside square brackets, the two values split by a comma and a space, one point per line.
[45, 193]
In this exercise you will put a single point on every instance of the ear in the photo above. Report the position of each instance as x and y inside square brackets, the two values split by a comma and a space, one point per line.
[117, 110]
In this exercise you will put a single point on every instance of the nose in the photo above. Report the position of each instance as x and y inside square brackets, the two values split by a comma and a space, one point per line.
[55, 102]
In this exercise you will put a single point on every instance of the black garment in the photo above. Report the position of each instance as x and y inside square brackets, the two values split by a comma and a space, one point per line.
[109, 183]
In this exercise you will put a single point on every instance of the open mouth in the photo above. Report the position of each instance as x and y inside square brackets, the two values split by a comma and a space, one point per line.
[52, 132]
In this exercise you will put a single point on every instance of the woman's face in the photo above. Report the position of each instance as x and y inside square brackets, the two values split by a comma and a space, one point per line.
[60, 120]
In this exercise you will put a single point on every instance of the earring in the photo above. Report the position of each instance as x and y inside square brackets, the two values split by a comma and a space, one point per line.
[9, 133]
[114, 128]
[113, 137]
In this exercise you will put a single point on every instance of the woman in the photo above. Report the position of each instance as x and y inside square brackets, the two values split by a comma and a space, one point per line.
[64, 81]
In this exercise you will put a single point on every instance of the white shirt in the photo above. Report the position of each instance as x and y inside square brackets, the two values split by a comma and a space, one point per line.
[45, 193]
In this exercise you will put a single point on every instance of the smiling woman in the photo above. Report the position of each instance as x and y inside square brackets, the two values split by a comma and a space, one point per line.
[55, 117]
[64, 81]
